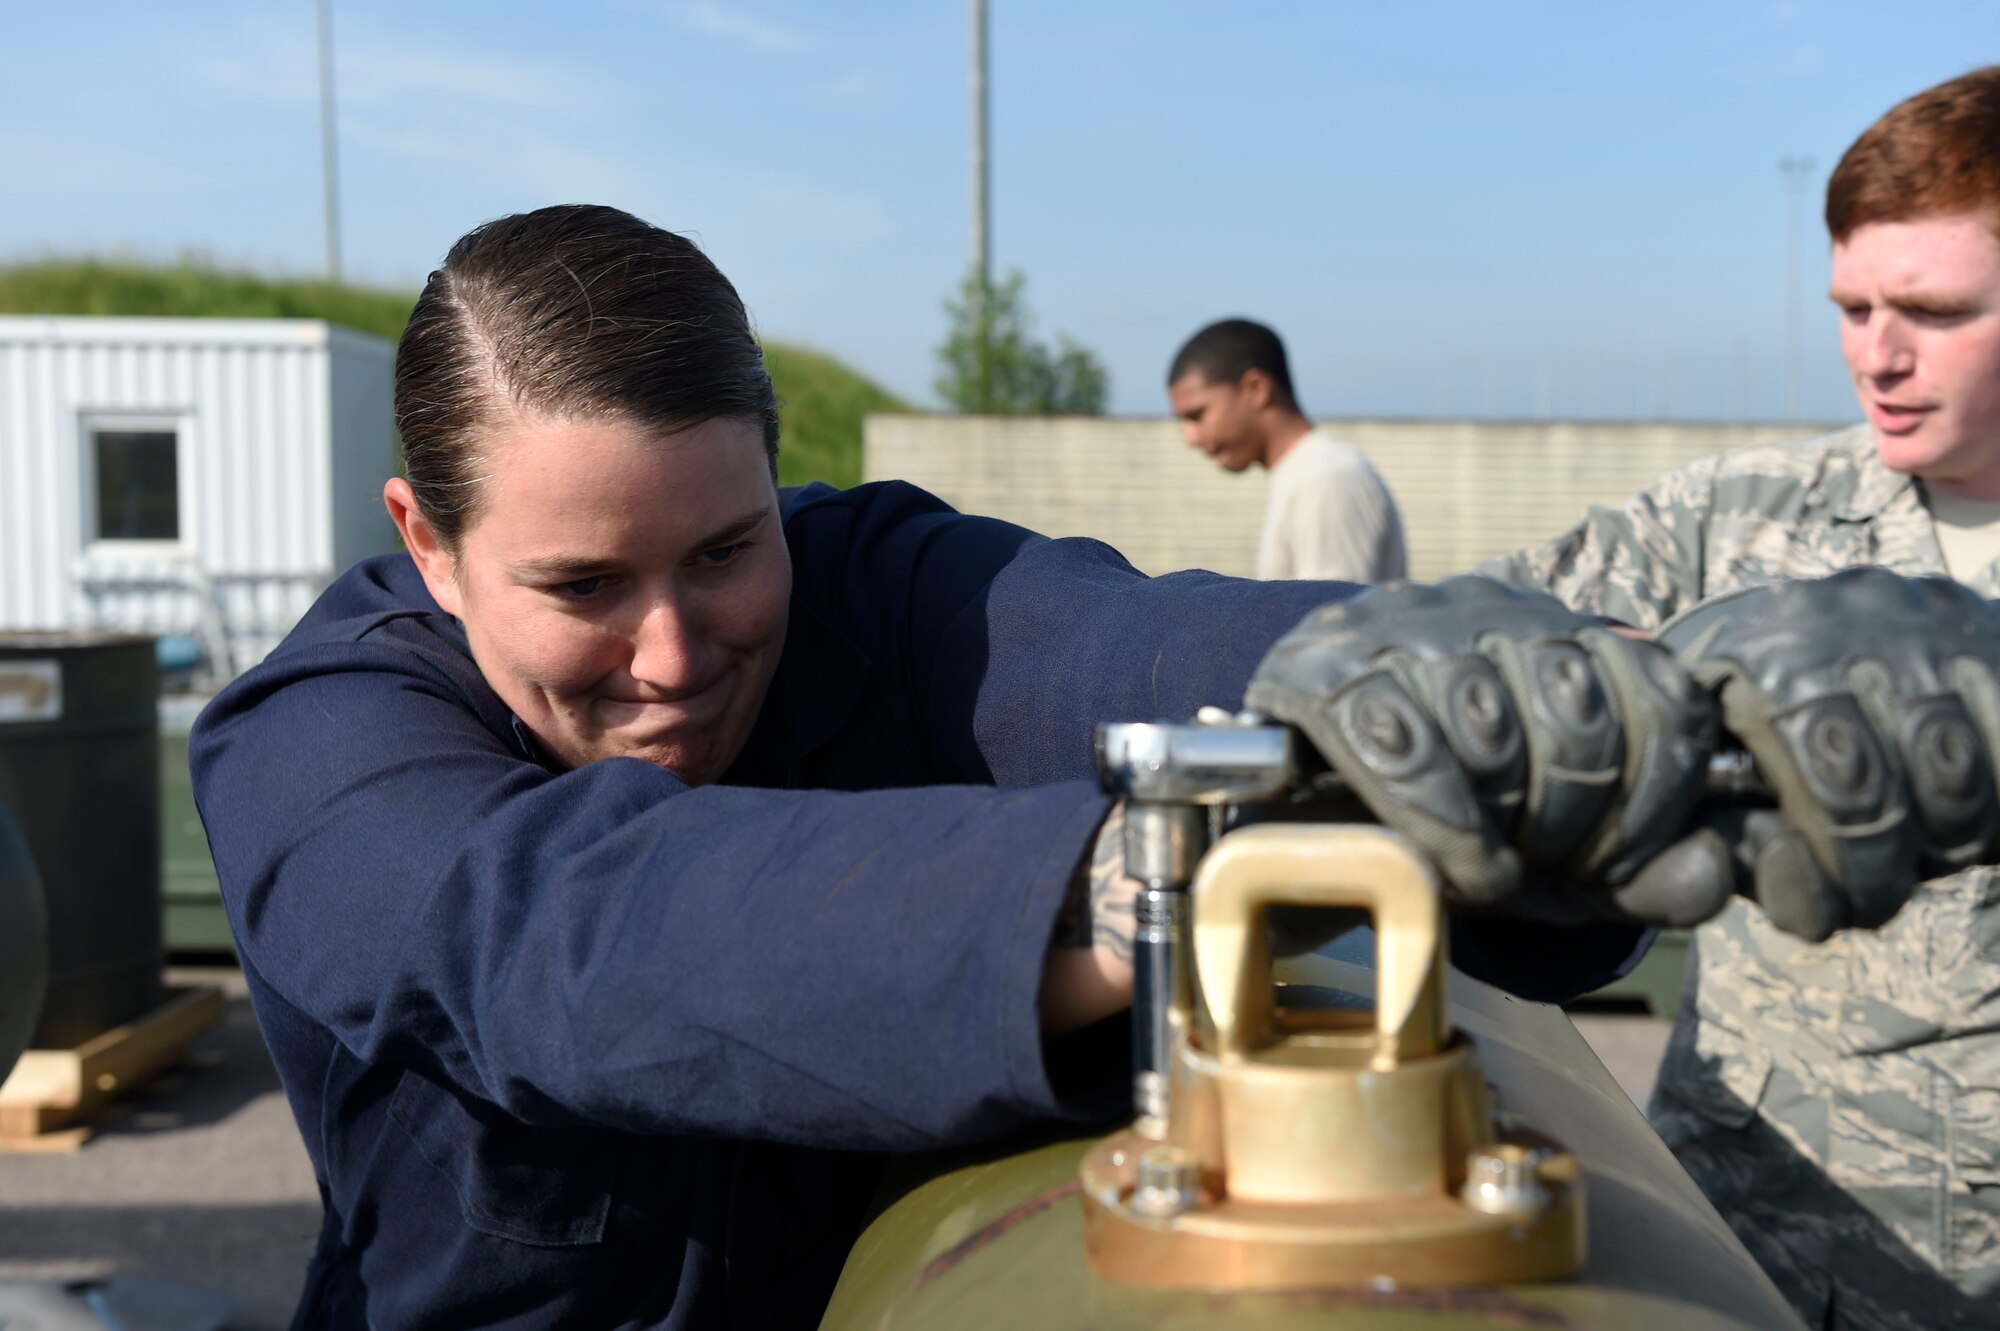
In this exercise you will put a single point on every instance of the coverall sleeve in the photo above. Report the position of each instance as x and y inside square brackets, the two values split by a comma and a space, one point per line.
[609, 947]
[1012, 647]
[1061, 635]
[1640, 563]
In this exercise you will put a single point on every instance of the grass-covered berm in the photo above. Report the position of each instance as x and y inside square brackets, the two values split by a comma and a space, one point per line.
[822, 400]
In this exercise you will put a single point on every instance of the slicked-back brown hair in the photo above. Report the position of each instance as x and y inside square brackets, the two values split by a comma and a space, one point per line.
[579, 312]
[1933, 154]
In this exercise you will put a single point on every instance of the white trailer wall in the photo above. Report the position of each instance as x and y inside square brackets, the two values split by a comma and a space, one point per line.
[261, 410]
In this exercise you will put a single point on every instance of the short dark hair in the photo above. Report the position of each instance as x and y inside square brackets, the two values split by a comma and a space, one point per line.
[578, 311]
[1222, 352]
[1935, 153]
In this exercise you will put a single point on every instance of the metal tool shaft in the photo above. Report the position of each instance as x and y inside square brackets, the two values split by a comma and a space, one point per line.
[1170, 776]
[1159, 947]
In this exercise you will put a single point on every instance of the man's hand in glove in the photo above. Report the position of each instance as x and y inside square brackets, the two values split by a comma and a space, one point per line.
[1869, 702]
[1549, 767]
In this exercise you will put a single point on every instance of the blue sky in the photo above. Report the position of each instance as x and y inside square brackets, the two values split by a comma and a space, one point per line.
[1490, 209]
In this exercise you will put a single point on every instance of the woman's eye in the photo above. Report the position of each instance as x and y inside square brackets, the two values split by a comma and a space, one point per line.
[580, 589]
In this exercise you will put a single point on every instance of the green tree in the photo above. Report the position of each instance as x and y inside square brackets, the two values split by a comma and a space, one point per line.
[990, 363]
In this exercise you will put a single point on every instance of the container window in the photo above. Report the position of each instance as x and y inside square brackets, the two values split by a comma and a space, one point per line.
[138, 484]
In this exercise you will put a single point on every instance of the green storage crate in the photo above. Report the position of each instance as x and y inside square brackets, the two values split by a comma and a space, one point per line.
[190, 897]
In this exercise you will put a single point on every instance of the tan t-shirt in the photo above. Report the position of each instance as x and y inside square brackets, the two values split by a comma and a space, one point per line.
[1330, 516]
[1968, 531]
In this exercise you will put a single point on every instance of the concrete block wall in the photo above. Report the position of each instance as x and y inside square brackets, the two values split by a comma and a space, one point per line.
[1467, 489]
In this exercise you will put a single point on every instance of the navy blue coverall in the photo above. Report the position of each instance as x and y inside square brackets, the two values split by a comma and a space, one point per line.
[594, 1048]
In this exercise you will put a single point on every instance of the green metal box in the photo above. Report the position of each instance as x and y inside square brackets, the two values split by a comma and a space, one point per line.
[190, 897]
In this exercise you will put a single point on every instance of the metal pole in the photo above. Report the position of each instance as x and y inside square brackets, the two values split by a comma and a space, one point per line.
[1796, 170]
[982, 261]
[982, 216]
[329, 174]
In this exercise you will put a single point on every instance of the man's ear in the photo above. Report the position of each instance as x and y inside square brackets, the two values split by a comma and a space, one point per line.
[439, 568]
[1255, 385]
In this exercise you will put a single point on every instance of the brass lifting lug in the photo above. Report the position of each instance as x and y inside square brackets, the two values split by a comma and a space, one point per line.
[1325, 1147]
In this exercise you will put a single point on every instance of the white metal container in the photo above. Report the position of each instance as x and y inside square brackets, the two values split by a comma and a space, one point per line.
[202, 477]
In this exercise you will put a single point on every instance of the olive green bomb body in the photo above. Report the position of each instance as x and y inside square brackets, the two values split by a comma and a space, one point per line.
[997, 1240]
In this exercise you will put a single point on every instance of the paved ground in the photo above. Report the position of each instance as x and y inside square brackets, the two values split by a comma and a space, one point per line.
[201, 1177]
[1629, 1046]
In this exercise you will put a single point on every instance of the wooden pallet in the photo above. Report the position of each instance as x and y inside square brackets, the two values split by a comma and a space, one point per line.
[51, 1090]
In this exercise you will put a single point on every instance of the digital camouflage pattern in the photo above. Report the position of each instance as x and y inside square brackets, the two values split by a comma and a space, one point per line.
[1839, 1102]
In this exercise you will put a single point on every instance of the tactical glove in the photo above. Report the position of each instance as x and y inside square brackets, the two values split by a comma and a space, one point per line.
[1549, 767]
[1869, 702]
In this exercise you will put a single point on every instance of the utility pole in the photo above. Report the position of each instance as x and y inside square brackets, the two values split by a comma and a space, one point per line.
[329, 175]
[1796, 171]
[982, 214]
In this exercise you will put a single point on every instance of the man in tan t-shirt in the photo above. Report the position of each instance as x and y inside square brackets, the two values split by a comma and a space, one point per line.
[1329, 514]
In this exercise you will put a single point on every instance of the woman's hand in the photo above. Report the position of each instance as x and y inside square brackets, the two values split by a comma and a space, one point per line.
[1089, 972]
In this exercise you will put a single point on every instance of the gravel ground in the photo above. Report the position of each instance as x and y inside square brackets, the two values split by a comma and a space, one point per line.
[201, 1178]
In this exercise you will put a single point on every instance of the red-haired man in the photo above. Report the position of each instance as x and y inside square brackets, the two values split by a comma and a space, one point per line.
[1840, 1102]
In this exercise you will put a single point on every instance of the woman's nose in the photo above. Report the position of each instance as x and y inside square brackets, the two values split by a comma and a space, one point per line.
[666, 651]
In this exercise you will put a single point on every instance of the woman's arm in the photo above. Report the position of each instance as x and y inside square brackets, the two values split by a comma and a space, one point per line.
[1017, 647]
[610, 947]
[1089, 974]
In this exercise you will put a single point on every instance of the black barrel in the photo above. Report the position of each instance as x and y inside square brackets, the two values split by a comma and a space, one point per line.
[24, 943]
[79, 769]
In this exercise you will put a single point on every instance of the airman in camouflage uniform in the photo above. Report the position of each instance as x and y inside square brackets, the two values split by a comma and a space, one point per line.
[1840, 1102]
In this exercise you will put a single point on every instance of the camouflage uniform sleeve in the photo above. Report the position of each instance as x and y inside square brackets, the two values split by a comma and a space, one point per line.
[1640, 563]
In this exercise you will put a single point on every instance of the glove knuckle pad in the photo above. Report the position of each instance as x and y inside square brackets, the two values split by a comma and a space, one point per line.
[1950, 780]
[1385, 729]
[1838, 757]
[1478, 720]
[1575, 745]
[1568, 695]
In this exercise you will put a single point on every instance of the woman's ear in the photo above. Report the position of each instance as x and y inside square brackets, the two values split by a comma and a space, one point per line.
[437, 564]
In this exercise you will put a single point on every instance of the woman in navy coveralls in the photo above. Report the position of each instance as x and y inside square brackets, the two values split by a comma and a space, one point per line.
[621, 870]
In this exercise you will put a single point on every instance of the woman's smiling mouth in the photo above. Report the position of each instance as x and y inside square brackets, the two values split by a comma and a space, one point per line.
[701, 705]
